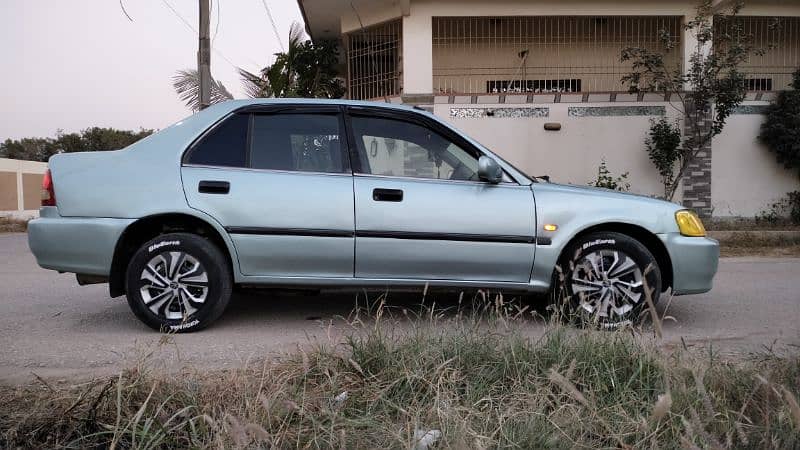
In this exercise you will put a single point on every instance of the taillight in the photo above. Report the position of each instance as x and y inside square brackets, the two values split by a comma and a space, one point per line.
[48, 193]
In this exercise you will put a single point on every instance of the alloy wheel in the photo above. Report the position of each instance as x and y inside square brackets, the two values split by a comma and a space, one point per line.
[608, 283]
[174, 285]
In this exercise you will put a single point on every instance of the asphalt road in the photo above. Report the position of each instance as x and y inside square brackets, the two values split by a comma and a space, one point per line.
[51, 327]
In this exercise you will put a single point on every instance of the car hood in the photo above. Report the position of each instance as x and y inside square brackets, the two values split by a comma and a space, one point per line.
[592, 191]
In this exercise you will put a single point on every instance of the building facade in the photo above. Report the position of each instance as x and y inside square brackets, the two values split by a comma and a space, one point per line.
[500, 70]
[20, 187]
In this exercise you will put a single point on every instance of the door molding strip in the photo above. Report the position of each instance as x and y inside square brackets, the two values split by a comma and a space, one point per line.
[385, 234]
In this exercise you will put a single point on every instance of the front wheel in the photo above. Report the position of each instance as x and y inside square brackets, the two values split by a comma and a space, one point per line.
[178, 282]
[602, 279]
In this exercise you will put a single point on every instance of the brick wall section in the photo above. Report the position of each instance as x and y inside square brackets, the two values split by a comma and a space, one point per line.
[697, 179]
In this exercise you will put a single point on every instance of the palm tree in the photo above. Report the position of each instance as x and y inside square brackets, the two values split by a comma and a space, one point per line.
[187, 84]
[305, 69]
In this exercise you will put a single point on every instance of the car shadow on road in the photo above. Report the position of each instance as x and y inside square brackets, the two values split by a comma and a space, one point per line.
[252, 305]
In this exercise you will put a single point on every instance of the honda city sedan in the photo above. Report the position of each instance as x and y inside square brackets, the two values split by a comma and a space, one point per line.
[343, 194]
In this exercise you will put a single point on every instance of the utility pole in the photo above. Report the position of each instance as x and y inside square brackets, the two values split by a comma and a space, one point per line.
[204, 56]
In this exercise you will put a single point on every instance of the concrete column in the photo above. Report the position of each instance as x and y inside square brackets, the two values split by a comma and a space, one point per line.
[20, 194]
[690, 44]
[417, 53]
[697, 179]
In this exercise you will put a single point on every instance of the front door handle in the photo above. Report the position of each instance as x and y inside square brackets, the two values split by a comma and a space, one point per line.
[214, 187]
[387, 195]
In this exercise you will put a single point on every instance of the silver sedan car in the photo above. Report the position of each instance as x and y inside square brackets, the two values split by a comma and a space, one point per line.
[342, 194]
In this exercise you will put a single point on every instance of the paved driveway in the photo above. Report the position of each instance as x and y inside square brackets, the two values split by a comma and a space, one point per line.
[52, 327]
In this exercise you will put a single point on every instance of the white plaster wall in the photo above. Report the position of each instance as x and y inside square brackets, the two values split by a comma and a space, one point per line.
[745, 176]
[573, 154]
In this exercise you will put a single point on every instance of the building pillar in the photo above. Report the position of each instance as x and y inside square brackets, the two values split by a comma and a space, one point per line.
[697, 179]
[20, 193]
[417, 53]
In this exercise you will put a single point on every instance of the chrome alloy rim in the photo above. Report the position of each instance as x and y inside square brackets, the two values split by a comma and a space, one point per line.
[174, 285]
[608, 283]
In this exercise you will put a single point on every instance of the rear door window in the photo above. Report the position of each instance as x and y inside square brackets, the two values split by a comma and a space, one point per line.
[297, 142]
[224, 145]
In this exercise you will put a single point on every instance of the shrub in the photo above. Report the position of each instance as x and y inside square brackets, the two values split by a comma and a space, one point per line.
[786, 207]
[606, 180]
[13, 225]
[663, 145]
[780, 132]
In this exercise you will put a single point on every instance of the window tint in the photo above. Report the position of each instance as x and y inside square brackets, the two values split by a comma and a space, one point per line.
[225, 145]
[302, 142]
[398, 148]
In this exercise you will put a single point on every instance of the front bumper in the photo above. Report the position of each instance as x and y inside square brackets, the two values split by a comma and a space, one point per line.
[694, 262]
[82, 245]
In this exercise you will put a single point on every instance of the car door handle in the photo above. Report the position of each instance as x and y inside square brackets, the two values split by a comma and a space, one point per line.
[214, 187]
[387, 195]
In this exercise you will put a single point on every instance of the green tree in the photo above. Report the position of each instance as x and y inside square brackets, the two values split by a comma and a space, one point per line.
[305, 69]
[30, 149]
[88, 140]
[712, 85]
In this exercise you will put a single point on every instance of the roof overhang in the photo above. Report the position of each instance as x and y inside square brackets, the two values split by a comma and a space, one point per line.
[324, 17]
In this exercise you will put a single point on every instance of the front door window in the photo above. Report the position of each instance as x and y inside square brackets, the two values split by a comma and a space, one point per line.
[403, 149]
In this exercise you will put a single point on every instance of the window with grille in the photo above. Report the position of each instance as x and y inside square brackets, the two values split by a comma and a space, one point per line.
[777, 40]
[374, 61]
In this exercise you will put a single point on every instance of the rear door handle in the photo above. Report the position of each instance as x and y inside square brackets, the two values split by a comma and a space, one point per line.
[387, 195]
[214, 187]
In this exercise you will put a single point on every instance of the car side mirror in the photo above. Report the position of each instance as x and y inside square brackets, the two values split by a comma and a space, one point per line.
[489, 170]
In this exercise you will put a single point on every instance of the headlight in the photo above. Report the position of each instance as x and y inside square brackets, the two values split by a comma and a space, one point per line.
[689, 224]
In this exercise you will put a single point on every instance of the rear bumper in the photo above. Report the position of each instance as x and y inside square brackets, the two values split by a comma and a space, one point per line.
[694, 262]
[74, 244]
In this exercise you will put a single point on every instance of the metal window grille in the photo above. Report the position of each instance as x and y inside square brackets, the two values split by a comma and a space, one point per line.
[374, 61]
[542, 53]
[777, 37]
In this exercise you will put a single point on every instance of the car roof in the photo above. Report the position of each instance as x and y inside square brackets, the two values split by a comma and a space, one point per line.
[235, 104]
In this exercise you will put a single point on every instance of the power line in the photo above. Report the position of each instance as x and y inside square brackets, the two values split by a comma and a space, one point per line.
[194, 30]
[125, 12]
[274, 27]
[219, 13]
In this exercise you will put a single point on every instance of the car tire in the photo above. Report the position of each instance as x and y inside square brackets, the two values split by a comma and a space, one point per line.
[601, 280]
[178, 282]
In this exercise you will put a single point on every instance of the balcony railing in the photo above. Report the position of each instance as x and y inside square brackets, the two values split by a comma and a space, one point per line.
[543, 53]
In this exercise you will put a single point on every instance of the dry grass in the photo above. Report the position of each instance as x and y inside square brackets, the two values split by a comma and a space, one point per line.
[791, 251]
[464, 381]
[13, 225]
[750, 224]
[753, 243]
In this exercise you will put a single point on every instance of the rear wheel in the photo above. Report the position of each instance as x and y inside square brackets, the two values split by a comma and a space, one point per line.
[178, 282]
[602, 279]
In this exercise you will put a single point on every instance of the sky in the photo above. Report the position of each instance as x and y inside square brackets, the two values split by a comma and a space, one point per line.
[74, 64]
